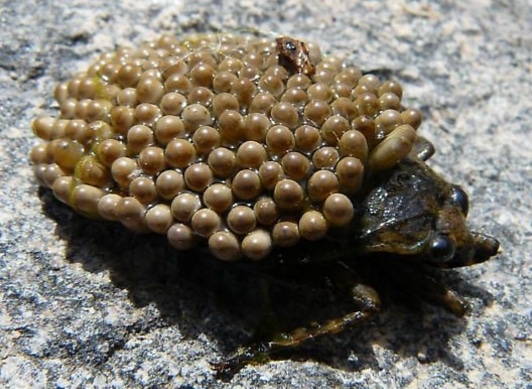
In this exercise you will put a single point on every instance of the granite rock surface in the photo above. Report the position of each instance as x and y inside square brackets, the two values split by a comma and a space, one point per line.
[85, 304]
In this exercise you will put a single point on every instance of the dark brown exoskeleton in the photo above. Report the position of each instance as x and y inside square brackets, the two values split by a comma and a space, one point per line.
[409, 223]
[294, 56]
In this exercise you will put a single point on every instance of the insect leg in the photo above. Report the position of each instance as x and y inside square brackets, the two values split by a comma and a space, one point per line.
[422, 148]
[436, 293]
[365, 298]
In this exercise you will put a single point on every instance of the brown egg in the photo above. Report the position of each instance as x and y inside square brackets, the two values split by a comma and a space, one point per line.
[313, 225]
[285, 233]
[224, 245]
[288, 194]
[257, 244]
[241, 219]
[246, 184]
[338, 209]
[233, 143]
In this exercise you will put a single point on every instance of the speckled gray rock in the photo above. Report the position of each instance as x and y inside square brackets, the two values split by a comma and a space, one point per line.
[90, 305]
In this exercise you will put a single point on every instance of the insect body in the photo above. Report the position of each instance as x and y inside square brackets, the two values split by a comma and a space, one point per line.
[409, 223]
[259, 150]
[294, 55]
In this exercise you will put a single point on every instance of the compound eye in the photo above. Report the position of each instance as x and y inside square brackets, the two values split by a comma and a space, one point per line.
[441, 249]
[290, 46]
[459, 196]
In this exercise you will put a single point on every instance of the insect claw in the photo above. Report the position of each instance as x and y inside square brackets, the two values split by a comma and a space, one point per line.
[455, 304]
[253, 354]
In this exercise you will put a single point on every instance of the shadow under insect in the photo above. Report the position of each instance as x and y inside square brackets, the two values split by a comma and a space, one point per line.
[411, 224]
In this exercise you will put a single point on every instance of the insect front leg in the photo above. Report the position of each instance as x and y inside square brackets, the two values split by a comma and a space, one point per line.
[438, 294]
[423, 148]
[420, 285]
